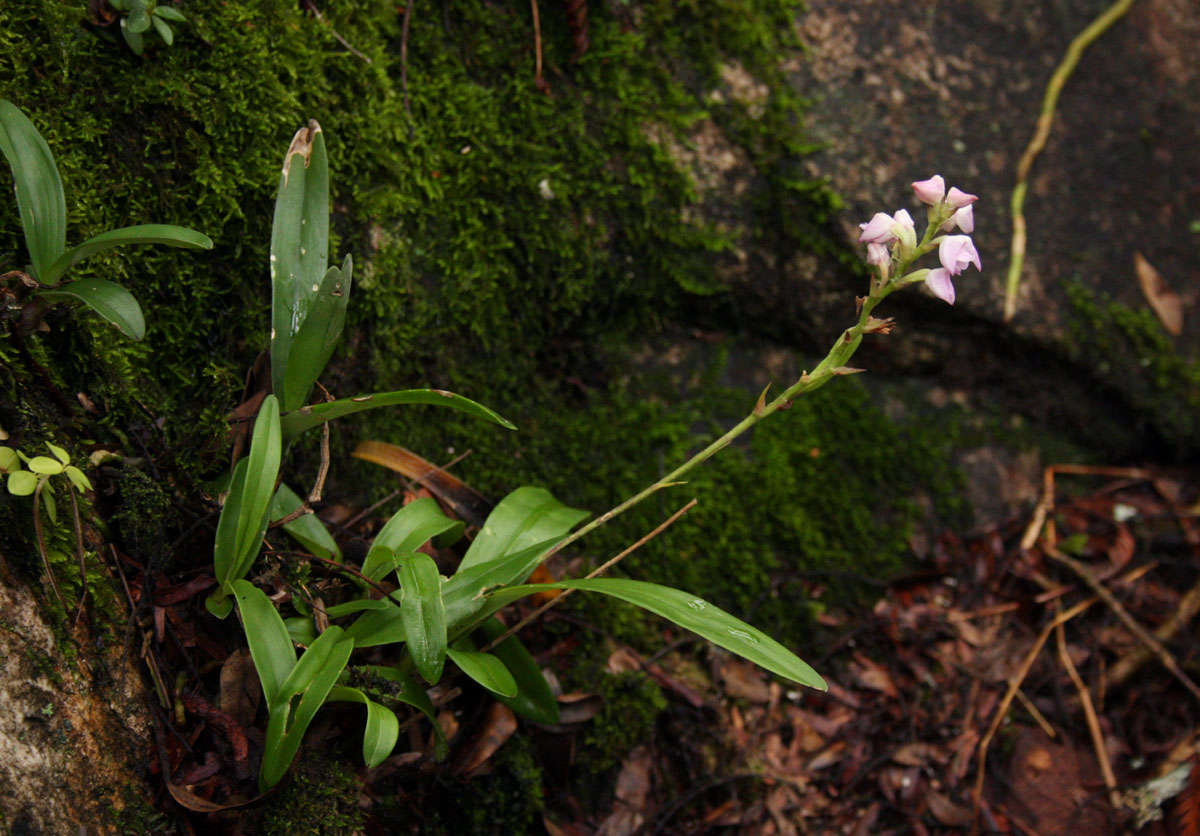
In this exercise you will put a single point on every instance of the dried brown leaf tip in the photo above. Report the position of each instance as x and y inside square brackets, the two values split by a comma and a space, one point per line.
[879, 326]
[841, 370]
[302, 144]
[1166, 302]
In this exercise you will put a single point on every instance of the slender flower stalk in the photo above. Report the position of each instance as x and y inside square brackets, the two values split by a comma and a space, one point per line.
[892, 249]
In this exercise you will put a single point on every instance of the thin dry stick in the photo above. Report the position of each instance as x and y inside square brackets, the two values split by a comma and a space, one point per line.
[312, 8]
[1049, 103]
[1037, 715]
[83, 588]
[1127, 665]
[599, 570]
[1089, 712]
[1155, 647]
[1014, 683]
[537, 47]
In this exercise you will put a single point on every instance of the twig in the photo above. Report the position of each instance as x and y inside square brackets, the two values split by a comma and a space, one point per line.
[537, 47]
[599, 570]
[370, 509]
[1037, 715]
[1014, 683]
[1089, 712]
[1127, 665]
[1155, 647]
[308, 4]
[1049, 103]
[83, 588]
[342, 567]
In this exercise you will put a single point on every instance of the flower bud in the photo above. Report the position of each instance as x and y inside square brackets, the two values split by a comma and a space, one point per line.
[931, 191]
[956, 198]
[939, 282]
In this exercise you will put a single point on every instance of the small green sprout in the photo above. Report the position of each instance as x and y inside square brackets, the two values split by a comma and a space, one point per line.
[137, 16]
[36, 480]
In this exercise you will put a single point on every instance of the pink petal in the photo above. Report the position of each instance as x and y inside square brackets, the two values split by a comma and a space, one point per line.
[958, 198]
[963, 219]
[939, 282]
[878, 254]
[956, 252]
[931, 191]
[878, 230]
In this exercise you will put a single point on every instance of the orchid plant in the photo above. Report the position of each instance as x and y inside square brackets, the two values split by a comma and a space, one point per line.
[397, 601]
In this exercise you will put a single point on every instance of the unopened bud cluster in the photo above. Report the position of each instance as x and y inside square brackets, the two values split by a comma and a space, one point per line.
[892, 239]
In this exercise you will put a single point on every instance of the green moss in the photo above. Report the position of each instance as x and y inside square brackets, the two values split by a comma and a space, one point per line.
[319, 798]
[508, 799]
[1141, 365]
[438, 187]
[632, 703]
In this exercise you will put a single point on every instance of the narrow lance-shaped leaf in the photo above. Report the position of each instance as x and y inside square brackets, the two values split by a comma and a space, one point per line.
[463, 596]
[40, 199]
[299, 247]
[270, 646]
[381, 730]
[534, 698]
[410, 527]
[307, 417]
[313, 677]
[485, 669]
[266, 448]
[423, 613]
[167, 234]
[526, 516]
[313, 344]
[113, 302]
[690, 612]
[225, 554]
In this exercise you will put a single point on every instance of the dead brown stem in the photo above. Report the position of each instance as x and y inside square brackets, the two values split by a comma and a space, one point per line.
[1089, 713]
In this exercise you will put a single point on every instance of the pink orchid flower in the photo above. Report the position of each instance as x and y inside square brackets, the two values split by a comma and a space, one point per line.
[963, 218]
[956, 252]
[931, 191]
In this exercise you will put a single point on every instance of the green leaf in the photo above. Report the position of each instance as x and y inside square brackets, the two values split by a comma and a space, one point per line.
[266, 448]
[307, 417]
[485, 669]
[138, 20]
[9, 460]
[163, 29]
[58, 452]
[40, 199]
[407, 530]
[312, 679]
[357, 605]
[691, 613]
[270, 645]
[382, 728]
[168, 234]
[526, 516]
[534, 698]
[308, 530]
[133, 39]
[463, 596]
[21, 483]
[423, 613]
[301, 630]
[413, 694]
[170, 13]
[49, 503]
[382, 626]
[225, 554]
[219, 604]
[299, 250]
[313, 344]
[45, 465]
[77, 478]
[113, 302]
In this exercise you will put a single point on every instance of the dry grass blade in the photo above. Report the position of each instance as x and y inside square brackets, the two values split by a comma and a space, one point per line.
[1093, 723]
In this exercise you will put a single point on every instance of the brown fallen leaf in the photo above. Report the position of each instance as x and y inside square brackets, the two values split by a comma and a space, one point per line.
[467, 503]
[630, 810]
[1165, 302]
[499, 725]
[240, 690]
[744, 681]
[949, 812]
